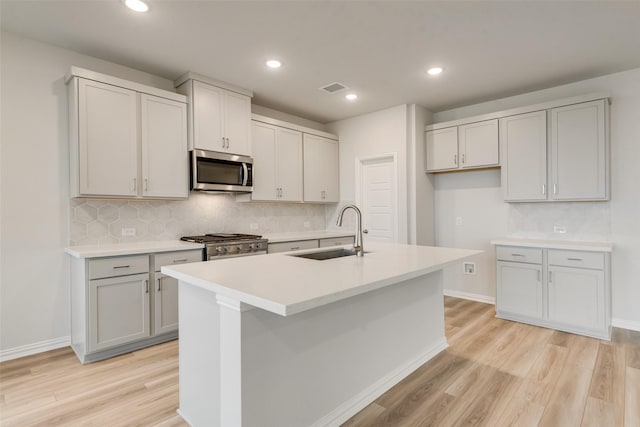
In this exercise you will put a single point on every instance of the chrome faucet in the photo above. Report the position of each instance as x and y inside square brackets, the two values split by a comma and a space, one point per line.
[357, 246]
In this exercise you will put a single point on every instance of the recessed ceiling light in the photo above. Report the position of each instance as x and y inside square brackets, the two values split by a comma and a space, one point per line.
[273, 63]
[137, 5]
[435, 71]
[351, 96]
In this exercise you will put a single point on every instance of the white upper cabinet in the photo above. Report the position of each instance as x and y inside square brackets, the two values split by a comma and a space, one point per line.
[469, 146]
[321, 169]
[442, 149]
[277, 155]
[219, 115]
[478, 144]
[165, 171]
[523, 140]
[579, 160]
[126, 139]
[107, 140]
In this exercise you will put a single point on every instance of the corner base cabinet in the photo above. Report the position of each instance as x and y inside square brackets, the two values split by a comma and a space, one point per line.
[122, 303]
[555, 286]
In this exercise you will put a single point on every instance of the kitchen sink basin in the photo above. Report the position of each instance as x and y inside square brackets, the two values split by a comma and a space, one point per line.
[322, 255]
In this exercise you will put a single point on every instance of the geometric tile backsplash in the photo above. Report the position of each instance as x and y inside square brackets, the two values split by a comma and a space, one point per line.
[100, 221]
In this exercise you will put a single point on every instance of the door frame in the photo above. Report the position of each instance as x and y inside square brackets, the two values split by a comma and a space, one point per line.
[360, 162]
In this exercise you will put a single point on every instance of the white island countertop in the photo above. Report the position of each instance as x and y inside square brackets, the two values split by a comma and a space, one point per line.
[286, 285]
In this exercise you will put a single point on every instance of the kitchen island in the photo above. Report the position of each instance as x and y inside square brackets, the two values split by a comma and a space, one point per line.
[281, 340]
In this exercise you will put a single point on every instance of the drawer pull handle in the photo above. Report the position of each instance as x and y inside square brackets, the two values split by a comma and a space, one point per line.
[121, 266]
[179, 260]
[159, 284]
[550, 277]
[574, 259]
[146, 286]
[295, 248]
[517, 255]
[538, 275]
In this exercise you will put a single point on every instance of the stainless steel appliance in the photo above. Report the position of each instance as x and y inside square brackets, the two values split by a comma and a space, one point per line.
[223, 245]
[213, 171]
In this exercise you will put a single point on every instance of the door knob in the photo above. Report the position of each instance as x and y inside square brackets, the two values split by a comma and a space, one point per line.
[365, 231]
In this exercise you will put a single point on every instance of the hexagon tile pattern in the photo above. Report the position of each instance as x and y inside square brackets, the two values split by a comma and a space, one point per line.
[97, 221]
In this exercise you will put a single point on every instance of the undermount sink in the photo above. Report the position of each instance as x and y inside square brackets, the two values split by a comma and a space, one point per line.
[322, 255]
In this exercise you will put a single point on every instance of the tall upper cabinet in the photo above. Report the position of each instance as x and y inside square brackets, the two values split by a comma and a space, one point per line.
[126, 139]
[219, 114]
[321, 169]
[558, 154]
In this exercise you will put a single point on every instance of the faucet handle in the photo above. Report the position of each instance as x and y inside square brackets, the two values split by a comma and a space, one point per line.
[365, 231]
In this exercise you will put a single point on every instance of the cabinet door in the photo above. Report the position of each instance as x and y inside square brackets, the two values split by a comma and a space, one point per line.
[166, 304]
[524, 156]
[208, 117]
[264, 162]
[442, 149]
[289, 164]
[164, 148]
[321, 169]
[579, 158]
[107, 138]
[520, 289]
[577, 297]
[119, 311]
[478, 144]
[237, 124]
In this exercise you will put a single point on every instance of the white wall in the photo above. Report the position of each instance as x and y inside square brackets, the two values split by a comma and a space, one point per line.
[371, 135]
[35, 210]
[477, 198]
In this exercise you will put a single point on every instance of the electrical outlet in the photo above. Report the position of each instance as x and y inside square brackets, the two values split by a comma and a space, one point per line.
[458, 220]
[253, 226]
[306, 224]
[559, 229]
[129, 231]
[469, 267]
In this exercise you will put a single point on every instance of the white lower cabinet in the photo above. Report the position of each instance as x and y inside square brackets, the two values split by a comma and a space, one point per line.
[567, 290]
[122, 303]
[119, 311]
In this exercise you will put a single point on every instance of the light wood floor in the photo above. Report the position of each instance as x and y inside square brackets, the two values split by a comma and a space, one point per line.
[495, 373]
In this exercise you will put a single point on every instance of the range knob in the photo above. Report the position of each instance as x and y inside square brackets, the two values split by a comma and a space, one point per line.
[221, 249]
[253, 246]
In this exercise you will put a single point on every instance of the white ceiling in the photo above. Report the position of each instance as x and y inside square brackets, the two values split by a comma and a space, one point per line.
[380, 49]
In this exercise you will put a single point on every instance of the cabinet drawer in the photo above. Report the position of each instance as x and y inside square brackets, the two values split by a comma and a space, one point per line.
[518, 254]
[178, 257]
[336, 241]
[118, 266]
[292, 246]
[593, 260]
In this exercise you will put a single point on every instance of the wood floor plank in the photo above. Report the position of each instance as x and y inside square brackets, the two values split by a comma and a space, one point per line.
[567, 403]
[608, 385]
[541, 380]
[599, 413]
[520, 412]
[365, 417]
[632, 398]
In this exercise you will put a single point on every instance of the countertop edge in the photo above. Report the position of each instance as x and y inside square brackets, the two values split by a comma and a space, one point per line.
[134, 248]
[311, 235]
[576, 245]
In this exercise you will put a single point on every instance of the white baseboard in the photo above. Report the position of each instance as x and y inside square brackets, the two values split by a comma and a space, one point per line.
[29, 349]
[473, 297]
[625, 324]
[354, 405]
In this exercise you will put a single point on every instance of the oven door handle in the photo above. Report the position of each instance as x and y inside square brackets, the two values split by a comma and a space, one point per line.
[245, 173]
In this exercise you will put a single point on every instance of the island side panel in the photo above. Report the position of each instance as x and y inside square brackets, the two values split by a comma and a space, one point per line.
[322, 366]
[199, 356]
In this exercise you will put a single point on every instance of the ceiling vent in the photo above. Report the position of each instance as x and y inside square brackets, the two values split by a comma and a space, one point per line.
[334, 88]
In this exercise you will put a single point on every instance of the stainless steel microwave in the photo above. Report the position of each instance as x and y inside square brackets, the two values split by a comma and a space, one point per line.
[214, 171]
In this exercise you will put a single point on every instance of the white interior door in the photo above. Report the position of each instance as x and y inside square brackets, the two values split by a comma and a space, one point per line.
[378, 197]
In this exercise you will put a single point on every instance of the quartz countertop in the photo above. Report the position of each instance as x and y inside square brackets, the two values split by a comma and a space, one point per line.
[100, 251]
[307, 235]
[575, 245]
[285, 284]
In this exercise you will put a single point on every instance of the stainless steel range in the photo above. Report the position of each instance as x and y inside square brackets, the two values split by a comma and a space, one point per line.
[223, 245]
